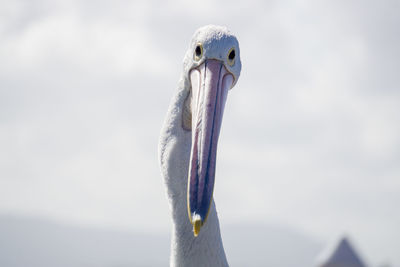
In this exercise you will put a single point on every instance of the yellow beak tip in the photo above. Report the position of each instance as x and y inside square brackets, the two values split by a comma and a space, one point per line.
[196, 227]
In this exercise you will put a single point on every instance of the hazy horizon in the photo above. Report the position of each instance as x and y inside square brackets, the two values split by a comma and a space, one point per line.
[44, 242]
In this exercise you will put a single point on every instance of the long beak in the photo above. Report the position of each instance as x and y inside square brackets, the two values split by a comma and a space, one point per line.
[210, 84]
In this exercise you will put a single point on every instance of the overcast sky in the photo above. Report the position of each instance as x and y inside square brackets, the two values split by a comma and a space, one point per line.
[310, 137]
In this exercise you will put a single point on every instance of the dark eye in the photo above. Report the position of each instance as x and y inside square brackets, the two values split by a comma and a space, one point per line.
[231, 56]
[198, 52]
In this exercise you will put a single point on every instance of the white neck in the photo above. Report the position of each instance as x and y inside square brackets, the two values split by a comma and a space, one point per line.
[174, 151]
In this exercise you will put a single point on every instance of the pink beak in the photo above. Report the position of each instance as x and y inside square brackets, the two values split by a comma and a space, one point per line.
[210, 82]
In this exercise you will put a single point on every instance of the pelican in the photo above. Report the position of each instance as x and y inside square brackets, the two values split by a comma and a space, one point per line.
[188, 145]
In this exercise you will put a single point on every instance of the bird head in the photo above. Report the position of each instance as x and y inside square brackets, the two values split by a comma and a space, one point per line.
[212, 67]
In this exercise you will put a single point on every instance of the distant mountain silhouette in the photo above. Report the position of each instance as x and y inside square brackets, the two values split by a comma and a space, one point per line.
[343, 255]
[34, 242]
